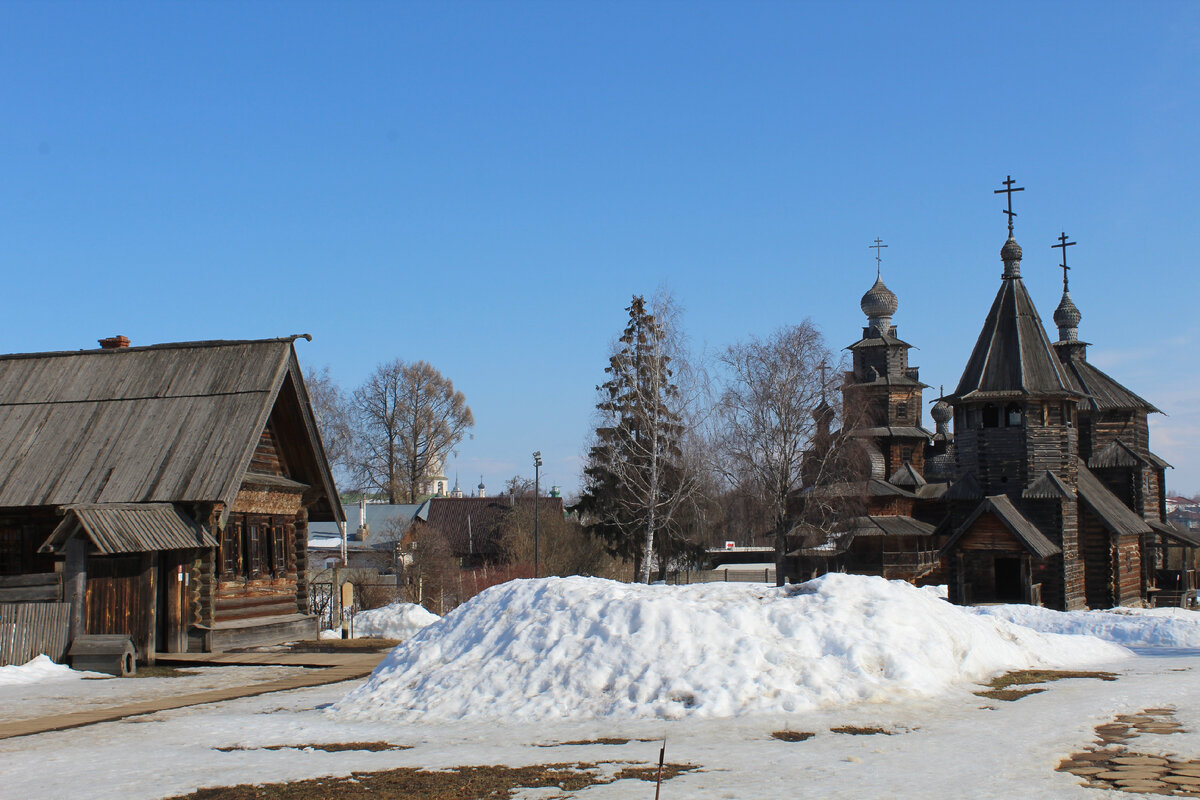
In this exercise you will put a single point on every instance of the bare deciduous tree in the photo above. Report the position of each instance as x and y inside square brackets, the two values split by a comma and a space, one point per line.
[332, 412]
[773, 404]
[408, 418]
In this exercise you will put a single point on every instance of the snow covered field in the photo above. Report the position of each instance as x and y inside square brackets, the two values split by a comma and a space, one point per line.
[848, 651]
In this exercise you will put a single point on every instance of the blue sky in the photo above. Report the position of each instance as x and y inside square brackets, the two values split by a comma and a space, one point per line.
[485, 185]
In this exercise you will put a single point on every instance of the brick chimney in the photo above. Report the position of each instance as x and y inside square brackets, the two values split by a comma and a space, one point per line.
[114, 342]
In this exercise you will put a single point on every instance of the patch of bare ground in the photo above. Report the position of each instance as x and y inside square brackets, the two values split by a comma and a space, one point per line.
[861, 730]
[792, 736]
[459, 783]
[999, 688]
[1110, 764]
[328, 747]
[342, 645]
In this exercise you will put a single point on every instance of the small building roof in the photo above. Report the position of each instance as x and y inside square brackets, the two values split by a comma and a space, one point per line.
[129, 528]
[1021, 528]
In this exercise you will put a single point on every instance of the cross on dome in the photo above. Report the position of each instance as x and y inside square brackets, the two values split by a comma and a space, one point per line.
[1064, 244]
[1008, 190]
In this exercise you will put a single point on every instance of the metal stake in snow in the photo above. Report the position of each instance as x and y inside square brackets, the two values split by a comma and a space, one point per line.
[662, 754]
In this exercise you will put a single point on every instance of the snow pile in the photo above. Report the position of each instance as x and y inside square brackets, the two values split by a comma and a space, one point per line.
[41, 669]
[395, 621]
[583, 648]
[1132, 627]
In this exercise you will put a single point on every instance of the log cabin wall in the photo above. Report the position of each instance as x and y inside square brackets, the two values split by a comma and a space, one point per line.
[1097, 557]
[261, 557]
[1127, 577]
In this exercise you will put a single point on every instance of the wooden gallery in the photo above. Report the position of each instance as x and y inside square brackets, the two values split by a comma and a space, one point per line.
[161, 493]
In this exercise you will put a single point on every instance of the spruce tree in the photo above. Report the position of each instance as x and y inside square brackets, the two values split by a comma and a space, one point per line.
[633, 481]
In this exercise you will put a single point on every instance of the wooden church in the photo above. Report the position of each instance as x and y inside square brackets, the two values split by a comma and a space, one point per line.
[1046, 492]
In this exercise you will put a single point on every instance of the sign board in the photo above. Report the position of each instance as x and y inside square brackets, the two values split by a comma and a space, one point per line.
[347, 595]
[729, 545]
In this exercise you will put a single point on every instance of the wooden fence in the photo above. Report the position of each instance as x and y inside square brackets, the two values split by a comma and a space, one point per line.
[729, 574]
[30, 629]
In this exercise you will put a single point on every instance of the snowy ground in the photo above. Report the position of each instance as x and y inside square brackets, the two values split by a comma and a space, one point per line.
[66, 690]
[946, 740]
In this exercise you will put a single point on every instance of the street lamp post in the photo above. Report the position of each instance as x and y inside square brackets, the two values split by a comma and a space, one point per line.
[537, 465]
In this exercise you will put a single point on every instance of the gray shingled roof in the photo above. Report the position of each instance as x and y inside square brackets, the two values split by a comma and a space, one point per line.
[1013, 356]
[1021, 528]
[1115, 515]
[166, 423]
[130, 528]
[1103, 393]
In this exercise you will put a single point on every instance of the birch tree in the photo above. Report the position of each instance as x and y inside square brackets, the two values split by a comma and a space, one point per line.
[772, 409]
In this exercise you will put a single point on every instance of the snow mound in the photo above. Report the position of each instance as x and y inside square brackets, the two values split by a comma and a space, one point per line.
[580, 648]
[40, 670]
[1132, 627]
[395, 621]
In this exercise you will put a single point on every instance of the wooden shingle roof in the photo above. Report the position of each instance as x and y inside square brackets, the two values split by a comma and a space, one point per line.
[1115, 515]
[1103, 392]
[1013, 356]
[130, 528]
[170, 423]
[1017, 524]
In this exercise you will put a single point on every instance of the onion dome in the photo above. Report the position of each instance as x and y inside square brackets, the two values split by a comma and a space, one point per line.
[879, 304]
[1010, 254]
[941, 412]
[1067, 318]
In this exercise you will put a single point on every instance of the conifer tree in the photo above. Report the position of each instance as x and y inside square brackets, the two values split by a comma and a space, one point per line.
[634, 481]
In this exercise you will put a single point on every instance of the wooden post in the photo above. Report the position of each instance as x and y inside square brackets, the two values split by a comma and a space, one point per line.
[148, 642]
[75, 586]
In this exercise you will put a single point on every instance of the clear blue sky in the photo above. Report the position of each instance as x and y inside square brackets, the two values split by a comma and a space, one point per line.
[485, 185]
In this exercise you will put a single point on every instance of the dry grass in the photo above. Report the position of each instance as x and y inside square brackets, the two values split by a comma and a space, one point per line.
[792, 736]
[460, 783]
[1000, 688]
[861, 730]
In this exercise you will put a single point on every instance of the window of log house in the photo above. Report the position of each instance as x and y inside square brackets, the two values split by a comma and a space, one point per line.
[991, 416]
[12, 547]
[256, 547]
[902, 411]
[1012, 415]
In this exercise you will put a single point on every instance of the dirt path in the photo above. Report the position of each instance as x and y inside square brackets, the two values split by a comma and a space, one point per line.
[335, 667]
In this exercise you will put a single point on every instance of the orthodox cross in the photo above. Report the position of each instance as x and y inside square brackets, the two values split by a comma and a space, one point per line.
[1064, 244]
[1008, 190]
[879, 245]
[823, 366]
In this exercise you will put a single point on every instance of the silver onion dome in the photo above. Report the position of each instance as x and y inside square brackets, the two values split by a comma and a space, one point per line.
[1067, 318]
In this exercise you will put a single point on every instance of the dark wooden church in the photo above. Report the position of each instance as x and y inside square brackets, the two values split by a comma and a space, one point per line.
[162, 493]
[1046, 491]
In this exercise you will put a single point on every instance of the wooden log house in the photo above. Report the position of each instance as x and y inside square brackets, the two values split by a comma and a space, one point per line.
[162, 492]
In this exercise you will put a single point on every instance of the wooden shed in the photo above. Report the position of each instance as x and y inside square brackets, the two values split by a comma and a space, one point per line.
[163, 492]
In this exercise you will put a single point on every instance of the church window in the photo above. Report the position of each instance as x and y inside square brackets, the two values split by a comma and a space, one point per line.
[1012, 415]
[991, 416]
[906, 454]
[902, 411]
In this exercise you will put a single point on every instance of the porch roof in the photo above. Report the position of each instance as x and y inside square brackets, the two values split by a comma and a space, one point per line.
[129, 528]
